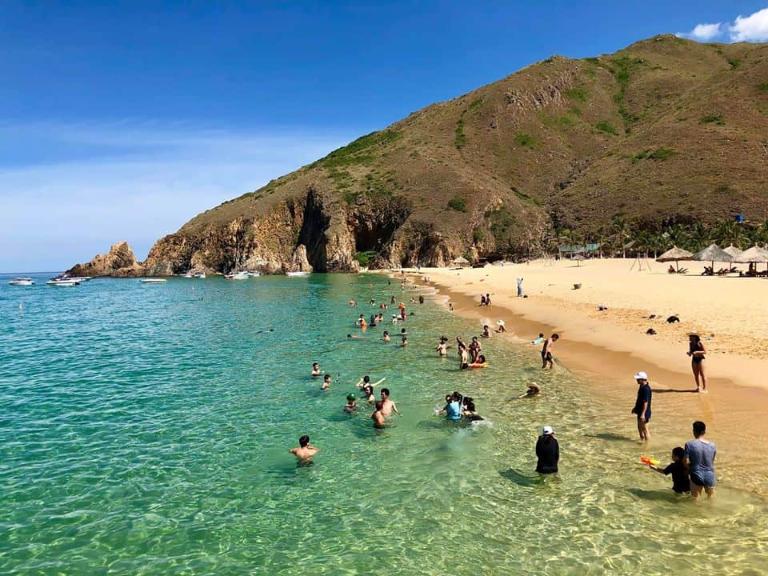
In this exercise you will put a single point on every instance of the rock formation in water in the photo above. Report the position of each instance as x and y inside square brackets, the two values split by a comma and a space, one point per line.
[664, 131]
[119, 261]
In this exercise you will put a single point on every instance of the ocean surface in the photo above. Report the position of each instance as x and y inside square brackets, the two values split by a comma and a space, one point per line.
[144, 429]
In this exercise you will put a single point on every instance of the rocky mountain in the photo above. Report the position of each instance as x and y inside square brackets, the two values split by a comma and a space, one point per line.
[119, 261]
[666, 130]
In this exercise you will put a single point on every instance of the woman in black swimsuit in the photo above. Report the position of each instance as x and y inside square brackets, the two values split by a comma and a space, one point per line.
[696, 351]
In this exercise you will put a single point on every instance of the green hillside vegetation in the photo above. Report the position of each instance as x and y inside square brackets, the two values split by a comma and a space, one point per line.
[665, 135]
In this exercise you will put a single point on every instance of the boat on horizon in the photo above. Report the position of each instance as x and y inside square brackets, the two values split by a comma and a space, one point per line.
[297, 273]
[242, 275]
[153, 280]
[22, 281]
[63, 282]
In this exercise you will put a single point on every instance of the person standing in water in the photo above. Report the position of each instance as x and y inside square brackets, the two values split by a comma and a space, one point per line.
[378, 415]
[643, 405]
[387, 406]
[547, 360]
[305, 452]
[697, 351]
[326, 382]
[701, 461]
[316, 369]
[547, 451]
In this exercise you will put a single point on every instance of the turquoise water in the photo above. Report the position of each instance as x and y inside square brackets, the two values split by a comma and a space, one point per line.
[145, 429]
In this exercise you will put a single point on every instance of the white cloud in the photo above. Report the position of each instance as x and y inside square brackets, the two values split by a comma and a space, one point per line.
[703, 32]
[752, 28]
[107, 183]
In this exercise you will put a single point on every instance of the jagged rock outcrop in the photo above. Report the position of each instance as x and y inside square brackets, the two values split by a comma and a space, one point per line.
[119, 261]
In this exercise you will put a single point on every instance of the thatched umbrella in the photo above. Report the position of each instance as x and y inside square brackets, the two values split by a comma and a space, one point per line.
[675, 254]
[713, 253]
[578, 258]
[754, 255]
[733, 251]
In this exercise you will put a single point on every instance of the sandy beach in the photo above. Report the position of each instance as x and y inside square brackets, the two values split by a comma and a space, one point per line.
[730, 313]
[608, 347]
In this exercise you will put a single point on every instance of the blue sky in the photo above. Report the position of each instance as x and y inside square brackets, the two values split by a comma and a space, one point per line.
[122, 120]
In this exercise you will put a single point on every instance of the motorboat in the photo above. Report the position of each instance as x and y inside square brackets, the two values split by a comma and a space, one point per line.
[63, 282]
[153, 280]
[253, 274]
[297, 273]
[237, 276]
[22, 281]
[199, 275]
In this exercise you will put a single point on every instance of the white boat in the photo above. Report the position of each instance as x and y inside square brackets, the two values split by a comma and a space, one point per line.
[63, 282]
[297, 273]
[153, 280]
[237, 276]
[199, 275]
[22, 281]
[253, 274]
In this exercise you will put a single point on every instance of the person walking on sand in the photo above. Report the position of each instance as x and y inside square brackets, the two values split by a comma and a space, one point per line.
[701, 461]
[305, 451]
[643, 405]
[697, 351]
[547, 360]
[519, 287]
[547, 452]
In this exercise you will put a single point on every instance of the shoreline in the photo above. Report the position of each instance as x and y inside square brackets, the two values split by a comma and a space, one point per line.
[733, 410]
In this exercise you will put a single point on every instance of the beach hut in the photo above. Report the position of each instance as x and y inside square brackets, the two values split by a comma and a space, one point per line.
[713, 253]
[754, 255]
[675, 254]
[460, 261]
[733, 251]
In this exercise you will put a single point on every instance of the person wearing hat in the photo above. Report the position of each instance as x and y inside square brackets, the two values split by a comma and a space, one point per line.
[642, 407]
[547, 451]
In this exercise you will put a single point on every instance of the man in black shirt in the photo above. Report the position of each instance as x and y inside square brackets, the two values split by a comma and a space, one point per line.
[643, 405]
[547, 452]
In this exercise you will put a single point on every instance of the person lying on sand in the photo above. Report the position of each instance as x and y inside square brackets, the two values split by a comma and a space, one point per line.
[305, 452]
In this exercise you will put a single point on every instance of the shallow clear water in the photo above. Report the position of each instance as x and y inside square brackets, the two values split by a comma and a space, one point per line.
[145, 429]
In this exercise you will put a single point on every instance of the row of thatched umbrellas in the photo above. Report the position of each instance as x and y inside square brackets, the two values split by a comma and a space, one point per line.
[713, 253]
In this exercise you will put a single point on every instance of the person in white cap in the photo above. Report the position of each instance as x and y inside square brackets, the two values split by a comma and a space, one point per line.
[642, 407]
[547, 451]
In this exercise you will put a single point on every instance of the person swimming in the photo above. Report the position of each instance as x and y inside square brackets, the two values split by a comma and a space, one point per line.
[404, 341]
[351, 405]
[305, 452]
[366, 381]
[486, 331]
[453, 407]
[386, 336]
[533, 390]
[480, 362]
[316, 369]
[326, 382]
[370, 396]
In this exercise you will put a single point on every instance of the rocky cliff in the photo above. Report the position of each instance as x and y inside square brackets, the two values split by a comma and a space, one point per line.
[664, 131]
[119, 261]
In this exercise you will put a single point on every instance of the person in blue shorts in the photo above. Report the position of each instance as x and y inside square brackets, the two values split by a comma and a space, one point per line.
[701, 453]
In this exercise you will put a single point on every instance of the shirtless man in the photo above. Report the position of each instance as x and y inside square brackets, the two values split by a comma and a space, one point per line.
[305, 452]
[326, 382]
[316, 369]
[378, 415]
[546, 352]
[387, 406]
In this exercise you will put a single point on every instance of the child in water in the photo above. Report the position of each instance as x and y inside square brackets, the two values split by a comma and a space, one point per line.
[351, 405]
[679, 470]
